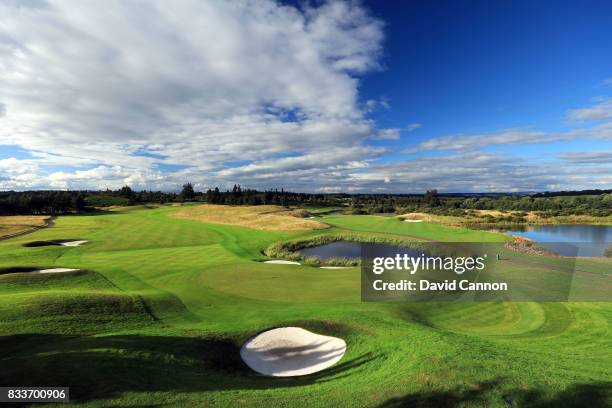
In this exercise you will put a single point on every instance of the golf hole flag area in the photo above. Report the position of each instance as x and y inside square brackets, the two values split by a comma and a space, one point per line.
[174, 311]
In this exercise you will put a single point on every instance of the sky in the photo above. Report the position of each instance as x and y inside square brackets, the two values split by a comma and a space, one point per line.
[325, 96]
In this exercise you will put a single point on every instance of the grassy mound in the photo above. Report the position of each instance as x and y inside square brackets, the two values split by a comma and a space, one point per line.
[261, 217]
[14, 225]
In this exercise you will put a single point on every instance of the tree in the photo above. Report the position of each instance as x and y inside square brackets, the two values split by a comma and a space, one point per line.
[188, 192]
[431, 198]
[78, 202]
[126, 192]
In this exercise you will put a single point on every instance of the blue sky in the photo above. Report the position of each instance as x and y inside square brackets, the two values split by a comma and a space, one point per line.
[480, 66]
[374, 96]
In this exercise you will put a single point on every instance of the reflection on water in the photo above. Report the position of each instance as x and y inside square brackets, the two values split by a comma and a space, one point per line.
[567, 240]
[587, 240]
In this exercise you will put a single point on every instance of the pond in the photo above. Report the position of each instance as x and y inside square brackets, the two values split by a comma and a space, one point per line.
[570, 239]
[349, 249]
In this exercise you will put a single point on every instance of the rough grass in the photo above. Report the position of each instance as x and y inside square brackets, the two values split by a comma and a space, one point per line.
[262, 217]
[299, 213]
[475, 217]
[15, 224]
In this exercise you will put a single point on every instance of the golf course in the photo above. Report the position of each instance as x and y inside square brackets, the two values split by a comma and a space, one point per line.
[162, 298]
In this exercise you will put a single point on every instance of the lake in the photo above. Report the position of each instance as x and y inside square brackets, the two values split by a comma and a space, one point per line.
[570, 239]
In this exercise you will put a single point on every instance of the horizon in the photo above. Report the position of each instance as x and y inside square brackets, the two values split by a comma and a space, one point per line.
[280, 189]
[326, 97]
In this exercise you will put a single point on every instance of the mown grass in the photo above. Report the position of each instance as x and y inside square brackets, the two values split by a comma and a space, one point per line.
[162, 305]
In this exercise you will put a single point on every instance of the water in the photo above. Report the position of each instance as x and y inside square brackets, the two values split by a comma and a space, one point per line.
[348, 249]
[569, 240]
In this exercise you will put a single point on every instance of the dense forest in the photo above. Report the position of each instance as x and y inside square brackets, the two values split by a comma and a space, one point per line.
[590, 202]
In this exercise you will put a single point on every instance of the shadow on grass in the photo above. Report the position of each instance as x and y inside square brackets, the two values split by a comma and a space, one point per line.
[92, 212]
[593, 395]
[444, 398]
[18, 269]
[105, 367]
[489, 393]
[34, 270]
[52, 242]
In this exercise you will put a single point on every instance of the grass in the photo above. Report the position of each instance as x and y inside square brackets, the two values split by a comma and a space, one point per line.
[426, 231]
[476, 217]
[162, 304]
[17, 224]
[261, 217]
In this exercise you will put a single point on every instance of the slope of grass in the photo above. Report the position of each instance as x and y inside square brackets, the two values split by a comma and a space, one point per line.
[422, 230]
[260, 217]
[17, 224]
[162, 305]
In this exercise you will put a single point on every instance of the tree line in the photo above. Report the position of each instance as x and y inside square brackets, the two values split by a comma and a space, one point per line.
[596, 203]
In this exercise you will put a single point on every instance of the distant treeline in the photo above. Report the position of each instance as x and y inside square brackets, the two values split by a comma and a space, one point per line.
[41, 202]
[572, 193]
[588, 202]
[599, 204]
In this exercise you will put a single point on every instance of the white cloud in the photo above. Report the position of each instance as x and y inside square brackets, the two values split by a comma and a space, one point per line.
[100, 93]
[372, 105]
[199, 83]
[602, 132]
[588, 157]
[388, 134]
[395, 133]
[479, 141]
[412, 127]
[599, 112]
[476, 172]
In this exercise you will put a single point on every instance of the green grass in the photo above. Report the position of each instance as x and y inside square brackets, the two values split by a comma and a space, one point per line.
[422, 231]
[162, 305]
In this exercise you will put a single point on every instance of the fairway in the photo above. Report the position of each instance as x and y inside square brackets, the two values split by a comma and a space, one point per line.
[161, 304]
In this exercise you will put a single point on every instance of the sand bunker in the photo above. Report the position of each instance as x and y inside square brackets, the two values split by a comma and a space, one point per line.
[56, 270]
[282, 262]
[73, 243]
[413, 220]
[22, 269]
[291, 351]
[55, 242]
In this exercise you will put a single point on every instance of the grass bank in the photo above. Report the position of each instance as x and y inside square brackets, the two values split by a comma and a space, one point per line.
[483, 218]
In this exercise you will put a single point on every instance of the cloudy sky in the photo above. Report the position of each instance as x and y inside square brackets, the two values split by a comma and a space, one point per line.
[325, 96]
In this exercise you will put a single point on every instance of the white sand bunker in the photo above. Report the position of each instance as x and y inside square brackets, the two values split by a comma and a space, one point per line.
[282, 262]
[291, 351]
[73, 243]
[413, 220]
[57, 270]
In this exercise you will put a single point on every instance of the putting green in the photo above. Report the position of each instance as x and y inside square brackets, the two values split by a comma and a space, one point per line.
[161, 306]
